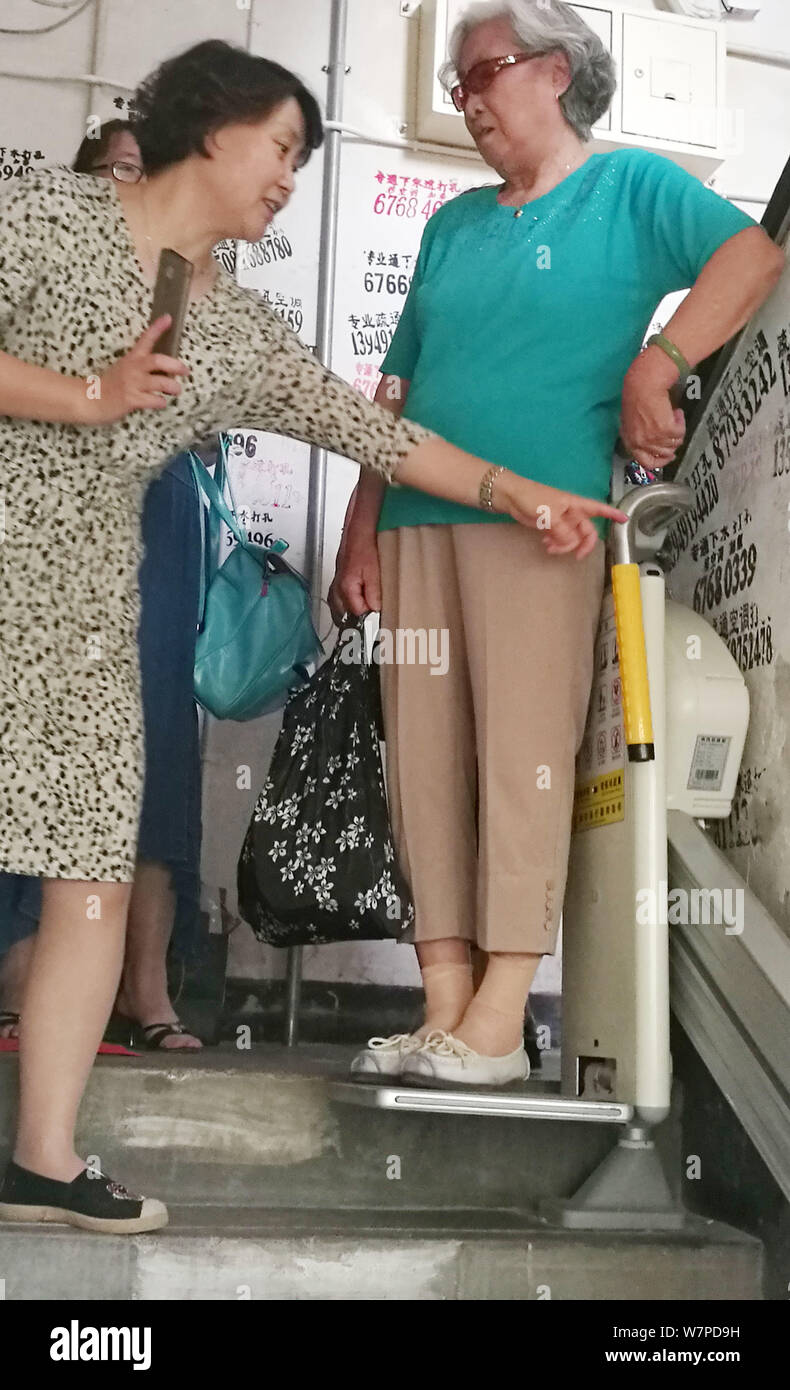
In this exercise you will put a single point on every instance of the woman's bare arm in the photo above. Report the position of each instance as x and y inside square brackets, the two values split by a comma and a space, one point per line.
[140, 380]
[733, 284]
[28, 392]
[356, 587]
[391, 393]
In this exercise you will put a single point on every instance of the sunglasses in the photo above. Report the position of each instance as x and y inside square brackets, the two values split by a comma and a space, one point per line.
[482, 75]
[121, 171]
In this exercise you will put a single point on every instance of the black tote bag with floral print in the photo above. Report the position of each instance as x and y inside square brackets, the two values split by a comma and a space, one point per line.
[318, 863]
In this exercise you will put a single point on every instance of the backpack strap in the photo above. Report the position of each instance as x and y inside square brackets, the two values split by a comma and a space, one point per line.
[208, 486]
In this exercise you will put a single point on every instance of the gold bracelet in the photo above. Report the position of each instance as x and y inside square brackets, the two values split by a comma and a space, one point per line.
[487, 487]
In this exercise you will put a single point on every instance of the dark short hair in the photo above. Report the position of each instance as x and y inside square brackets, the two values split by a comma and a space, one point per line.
[209, 86]
[93, 148]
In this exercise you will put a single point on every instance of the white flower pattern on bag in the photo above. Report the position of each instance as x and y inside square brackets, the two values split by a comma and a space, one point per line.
[309, 815]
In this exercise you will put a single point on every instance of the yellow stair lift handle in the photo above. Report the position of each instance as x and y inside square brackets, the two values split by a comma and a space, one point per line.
[637, 719]
[633, 663]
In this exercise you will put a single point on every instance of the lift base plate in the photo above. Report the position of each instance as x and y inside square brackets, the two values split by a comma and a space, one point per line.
[628, 1191]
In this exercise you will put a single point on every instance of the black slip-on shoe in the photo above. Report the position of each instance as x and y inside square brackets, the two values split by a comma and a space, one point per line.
[92, 1203]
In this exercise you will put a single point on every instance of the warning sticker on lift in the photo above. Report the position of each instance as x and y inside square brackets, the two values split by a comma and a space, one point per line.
[708, 762]
[600, 802]
[600, 765]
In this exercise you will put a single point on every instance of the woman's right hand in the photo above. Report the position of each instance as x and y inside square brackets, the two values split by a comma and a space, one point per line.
[564, 518]
[356, 587]
[141, 380]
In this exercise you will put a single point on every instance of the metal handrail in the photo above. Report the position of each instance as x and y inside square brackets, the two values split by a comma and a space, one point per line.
[649, 509]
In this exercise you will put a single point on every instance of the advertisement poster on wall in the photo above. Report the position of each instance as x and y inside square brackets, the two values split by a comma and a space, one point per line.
[730, 559]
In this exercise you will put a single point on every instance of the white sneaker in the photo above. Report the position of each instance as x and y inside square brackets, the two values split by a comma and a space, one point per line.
[384, 1056]
[443, 1058]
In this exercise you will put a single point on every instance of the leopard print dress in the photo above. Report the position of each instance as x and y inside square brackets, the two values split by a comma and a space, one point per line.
[73, 298]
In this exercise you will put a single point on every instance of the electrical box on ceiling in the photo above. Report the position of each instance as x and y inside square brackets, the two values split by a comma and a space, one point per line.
[671, 83]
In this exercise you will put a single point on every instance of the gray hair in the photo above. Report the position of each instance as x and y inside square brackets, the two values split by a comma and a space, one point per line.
[548, 26]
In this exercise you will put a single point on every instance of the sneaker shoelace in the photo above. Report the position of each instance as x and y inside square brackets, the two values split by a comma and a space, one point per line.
[395, 1042]
[445, 1045]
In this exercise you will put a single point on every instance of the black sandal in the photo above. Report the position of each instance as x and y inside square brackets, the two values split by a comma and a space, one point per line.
[153, 1035]
[9, 1016]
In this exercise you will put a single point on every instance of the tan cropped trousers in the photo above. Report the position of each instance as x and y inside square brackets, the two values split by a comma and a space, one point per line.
[481, 757]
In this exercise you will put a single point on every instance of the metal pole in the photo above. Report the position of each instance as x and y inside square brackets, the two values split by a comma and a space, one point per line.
[93, 60]
[316, 497]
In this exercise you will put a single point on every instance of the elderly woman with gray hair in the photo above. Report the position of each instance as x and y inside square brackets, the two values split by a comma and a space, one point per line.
[520, 341]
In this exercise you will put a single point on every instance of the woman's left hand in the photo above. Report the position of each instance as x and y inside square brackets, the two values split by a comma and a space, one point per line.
[651, 429]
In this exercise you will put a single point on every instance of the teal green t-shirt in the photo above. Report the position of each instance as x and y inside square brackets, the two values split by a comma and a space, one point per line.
[517, 332]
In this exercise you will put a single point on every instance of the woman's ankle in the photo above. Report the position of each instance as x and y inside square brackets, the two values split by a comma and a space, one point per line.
[14, 970]
[448, 991]
[11, 996]
[61, 1166]
[444, 1021]
[145, 999]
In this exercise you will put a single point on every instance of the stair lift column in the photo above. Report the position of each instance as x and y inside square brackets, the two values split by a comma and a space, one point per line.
[615, 933]
[640, 597]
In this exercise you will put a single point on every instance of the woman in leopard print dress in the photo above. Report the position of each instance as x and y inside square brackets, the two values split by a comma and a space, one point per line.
[89, 413]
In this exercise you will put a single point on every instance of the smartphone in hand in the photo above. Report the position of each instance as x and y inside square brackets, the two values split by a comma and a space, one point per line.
[171, 296]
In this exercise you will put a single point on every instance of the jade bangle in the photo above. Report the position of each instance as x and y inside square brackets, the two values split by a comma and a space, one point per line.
[658, 340]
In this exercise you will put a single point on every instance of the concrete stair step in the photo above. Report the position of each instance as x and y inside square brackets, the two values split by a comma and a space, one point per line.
[318, 1254]
[258, 1128]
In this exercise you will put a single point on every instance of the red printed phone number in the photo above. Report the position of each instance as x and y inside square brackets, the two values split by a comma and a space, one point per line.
[366, 386]
[398, 205]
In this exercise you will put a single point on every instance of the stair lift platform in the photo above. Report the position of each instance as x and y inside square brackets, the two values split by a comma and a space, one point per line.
[665, 729]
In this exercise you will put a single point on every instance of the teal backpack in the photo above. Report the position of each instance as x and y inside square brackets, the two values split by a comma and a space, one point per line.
[256, 637]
